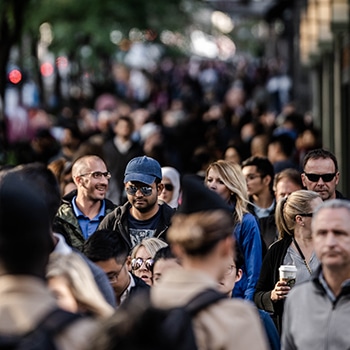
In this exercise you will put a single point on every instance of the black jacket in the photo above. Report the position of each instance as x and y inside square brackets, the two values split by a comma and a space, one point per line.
[269, 276]
[117, 221]
[339, 195]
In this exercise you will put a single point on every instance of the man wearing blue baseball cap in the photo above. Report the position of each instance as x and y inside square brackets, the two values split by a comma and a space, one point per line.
[141, 216]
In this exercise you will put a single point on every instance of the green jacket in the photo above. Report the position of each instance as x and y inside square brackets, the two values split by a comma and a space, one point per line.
[66, 223]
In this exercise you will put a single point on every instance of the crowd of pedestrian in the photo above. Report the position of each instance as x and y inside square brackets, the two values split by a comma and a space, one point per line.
[183, 123]
[169, 200]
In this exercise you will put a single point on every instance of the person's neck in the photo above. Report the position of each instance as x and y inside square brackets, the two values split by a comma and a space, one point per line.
[263, 200]
[280, 157]
[334, 195]
[88, 207]
[335, 278]
[119, 296]
[138, 215]
[207, 265]
[122, 139]
[304, 240]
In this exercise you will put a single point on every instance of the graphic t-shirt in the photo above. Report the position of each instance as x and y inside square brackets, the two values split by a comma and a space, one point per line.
[139, 230]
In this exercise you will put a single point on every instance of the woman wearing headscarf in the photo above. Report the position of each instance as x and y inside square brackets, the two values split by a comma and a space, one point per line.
[171, 190]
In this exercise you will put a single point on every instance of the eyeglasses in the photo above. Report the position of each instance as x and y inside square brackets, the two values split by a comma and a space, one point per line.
[169, 187]
[136, 263]
[113, 276]
[252, 177]
[310, 215]
[98, 174]
[230, 269]
[324, 177]
[145, 190]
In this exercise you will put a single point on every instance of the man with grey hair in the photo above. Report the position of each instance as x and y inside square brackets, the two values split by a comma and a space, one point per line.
[316, 314]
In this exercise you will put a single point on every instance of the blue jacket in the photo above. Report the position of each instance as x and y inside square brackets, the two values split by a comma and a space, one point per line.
[247, 235]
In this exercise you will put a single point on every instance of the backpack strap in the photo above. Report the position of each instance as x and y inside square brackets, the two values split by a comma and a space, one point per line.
[203, 299]
[41, 337]
[56, 320]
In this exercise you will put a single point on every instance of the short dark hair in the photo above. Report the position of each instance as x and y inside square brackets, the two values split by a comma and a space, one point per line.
[286, 143]
[320, 153]
[290, 174]
[25, 240]
[239, 257]
[106, 244]
[263, 166]
[127, 119]
[163, 253]
[44, 182]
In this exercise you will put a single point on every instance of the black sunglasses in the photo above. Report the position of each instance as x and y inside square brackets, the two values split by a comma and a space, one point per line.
[145, 190]
[324, 177]
[169, 187]
[310, 215]
[136, 263]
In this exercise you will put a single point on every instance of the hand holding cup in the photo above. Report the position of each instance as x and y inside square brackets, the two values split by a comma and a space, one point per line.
[280, 291]
[286, 282]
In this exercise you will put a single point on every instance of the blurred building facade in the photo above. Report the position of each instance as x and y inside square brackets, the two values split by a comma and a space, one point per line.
[315, 46]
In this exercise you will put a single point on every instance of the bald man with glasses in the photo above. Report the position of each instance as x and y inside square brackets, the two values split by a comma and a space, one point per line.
[321, 174]
[83, 209]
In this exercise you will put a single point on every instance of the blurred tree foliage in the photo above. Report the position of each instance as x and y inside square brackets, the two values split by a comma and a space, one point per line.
[91, 21]
[88, 23]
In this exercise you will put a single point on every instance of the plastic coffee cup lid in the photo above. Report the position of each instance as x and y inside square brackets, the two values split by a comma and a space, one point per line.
[289, 268]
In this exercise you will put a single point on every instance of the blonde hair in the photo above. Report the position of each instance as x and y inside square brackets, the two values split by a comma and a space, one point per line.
[152, 245]
[232, 176]
[81, 282]
[298, 202]
[197, 233]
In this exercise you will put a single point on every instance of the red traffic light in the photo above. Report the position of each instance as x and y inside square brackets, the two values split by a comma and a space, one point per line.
[15, 76]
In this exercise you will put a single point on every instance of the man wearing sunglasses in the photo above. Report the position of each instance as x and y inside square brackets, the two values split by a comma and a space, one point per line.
[321, 173]
[142, 216]
[84, 208]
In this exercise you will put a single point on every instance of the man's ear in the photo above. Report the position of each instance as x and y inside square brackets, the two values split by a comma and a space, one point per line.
[303, 179]
[128, 263]
[239, 275]
[77, 180]
[337, 178]
[160, 188]
[267, 180]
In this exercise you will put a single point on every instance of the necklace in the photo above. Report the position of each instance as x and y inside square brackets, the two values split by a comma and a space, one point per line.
[302, 255]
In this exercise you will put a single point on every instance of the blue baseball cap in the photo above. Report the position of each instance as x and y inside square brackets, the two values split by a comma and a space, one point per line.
[143, 169]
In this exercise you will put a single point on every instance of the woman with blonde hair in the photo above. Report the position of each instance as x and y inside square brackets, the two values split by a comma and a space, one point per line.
[294, 247]
[142, 258]
[226, 179]
[201, 237]
[74, 287]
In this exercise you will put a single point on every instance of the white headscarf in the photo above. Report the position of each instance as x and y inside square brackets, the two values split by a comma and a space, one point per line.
[174, 176]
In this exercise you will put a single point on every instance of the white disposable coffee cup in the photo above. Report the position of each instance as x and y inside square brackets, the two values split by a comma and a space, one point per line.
[288, 274]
